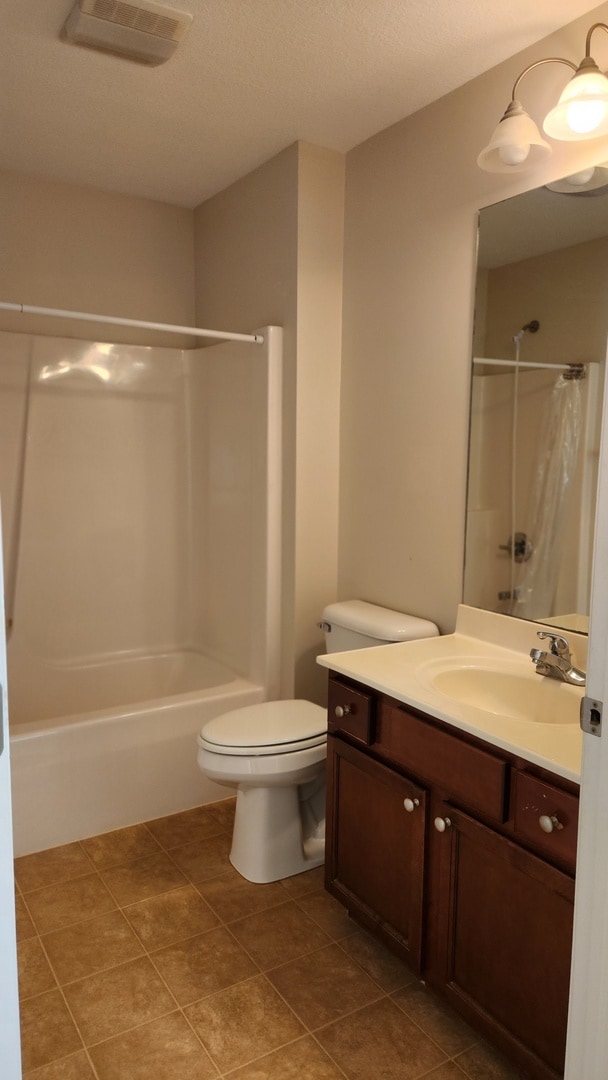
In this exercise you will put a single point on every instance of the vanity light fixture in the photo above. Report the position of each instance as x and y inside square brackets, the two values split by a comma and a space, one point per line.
[581, 113]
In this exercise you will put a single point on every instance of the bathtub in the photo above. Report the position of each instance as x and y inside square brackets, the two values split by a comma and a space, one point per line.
[112, 743]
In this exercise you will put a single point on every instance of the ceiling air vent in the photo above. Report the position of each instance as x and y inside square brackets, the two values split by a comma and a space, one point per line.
[141, 30]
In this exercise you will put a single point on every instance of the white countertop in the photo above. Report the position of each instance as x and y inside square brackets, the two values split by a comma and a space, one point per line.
[405, 671]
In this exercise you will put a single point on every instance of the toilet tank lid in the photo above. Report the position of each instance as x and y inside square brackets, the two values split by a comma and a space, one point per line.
[378, 622]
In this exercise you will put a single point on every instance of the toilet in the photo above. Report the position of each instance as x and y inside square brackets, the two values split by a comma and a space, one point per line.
[274, 754]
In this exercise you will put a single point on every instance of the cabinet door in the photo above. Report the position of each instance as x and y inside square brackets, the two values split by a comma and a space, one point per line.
[375, 846]
[505, 937]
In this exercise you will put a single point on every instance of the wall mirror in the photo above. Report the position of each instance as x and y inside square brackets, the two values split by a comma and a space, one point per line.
[539, 351]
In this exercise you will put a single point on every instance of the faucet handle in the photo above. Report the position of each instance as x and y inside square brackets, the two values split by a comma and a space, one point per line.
[559, 646]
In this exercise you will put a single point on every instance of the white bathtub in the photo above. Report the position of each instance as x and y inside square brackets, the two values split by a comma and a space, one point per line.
[114, 744]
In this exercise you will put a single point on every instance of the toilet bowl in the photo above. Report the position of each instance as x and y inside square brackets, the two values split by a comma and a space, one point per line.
[274, 754]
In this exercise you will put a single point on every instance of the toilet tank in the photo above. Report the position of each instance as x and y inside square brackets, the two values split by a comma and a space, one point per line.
[355, 624]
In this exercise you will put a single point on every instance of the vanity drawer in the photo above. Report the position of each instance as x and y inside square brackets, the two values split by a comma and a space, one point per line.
[536, 801]
[468, 775]
[350, 712]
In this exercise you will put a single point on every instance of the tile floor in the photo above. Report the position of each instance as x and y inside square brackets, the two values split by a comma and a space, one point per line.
[143, 954]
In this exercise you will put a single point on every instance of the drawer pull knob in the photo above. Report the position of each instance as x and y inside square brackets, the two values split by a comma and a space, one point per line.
[549, 823]
[442, 823]
[411, 804]
[342, 710]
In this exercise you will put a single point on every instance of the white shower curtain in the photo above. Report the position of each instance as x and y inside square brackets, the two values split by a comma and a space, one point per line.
[555, 469]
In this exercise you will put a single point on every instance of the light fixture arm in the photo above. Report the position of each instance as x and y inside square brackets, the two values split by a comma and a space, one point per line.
[547, 60]
[596, 26]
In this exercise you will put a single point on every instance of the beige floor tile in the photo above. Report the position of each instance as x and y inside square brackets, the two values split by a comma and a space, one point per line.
[92, 946]
[185, 828]
[76, 1067]
[51, 867]
[120, 846]
[35, 975]
[72, 901]
[449, 1071]
[380, 1041]
[114, 1001]
[302, 1060]
[233, 897]
[482, 1062]
[203, 965]
[283, 933]
[327, 913]
[171, 917]
[308, 882]
[166, 1049]
[203, 859]
[323, 986]
[223, 812]
[436, 1019]
[142, 878]
[47, 1030]
[25, 926]
[381, 965]
[243, 1023]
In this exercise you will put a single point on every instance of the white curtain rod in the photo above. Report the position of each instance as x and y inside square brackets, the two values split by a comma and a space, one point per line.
[88, 316]
[528, 364]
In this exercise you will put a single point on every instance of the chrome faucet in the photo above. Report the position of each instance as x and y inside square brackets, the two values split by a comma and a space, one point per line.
[557, 662]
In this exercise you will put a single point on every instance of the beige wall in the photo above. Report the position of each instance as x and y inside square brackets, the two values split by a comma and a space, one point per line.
[66, 246]
[412, 194]
[269, 250]
[320, 247]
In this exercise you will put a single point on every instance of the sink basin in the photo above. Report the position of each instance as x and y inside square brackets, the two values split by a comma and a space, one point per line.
[519, 696]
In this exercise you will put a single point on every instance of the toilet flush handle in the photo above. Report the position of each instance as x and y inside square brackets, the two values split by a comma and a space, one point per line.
[342, 710]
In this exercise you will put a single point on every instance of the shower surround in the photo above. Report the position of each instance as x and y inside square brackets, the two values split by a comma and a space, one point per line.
[494, 493]
[141, 502]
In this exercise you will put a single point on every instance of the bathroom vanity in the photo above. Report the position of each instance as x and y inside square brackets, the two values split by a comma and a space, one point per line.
[457, 850]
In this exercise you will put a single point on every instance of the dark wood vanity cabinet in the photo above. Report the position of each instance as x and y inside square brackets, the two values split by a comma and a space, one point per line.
[378, 850]
[434, 844]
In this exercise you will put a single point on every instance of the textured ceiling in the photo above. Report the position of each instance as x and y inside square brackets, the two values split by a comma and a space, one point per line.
[251, 77]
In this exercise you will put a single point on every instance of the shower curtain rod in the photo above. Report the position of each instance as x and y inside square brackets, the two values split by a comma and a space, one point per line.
[114, 320]
[529, 364]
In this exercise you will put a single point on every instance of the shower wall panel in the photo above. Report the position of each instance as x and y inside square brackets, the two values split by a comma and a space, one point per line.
[141, 492]
[235, 451]
[15, 354]
[103, 531]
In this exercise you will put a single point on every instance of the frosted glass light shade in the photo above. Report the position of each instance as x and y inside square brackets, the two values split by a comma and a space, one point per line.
[582, 110]
[516, 144]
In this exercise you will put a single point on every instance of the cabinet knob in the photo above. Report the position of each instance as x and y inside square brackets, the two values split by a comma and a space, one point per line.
[549, 823]
[411, 804]
[442, 823]
[342, 710]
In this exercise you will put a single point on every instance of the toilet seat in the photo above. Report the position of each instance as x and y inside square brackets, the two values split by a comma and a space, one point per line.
[272, 727]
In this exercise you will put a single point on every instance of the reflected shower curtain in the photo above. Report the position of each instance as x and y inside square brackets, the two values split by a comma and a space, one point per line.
[559, 443]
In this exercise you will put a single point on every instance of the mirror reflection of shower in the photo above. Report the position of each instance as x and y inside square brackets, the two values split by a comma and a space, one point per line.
[523, 552]
[527, 480]
[542, 257]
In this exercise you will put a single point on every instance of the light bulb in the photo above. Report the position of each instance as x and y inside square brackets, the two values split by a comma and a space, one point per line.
[585, 116]
[513, 153]
[579, 179]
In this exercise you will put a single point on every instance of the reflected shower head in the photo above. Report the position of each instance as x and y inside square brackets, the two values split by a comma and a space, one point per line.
[531, 326]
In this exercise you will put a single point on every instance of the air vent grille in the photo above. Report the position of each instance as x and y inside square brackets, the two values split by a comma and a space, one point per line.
[140, 30]
[148, 18]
